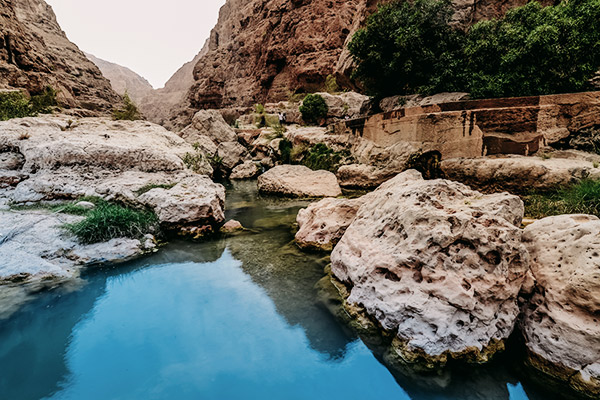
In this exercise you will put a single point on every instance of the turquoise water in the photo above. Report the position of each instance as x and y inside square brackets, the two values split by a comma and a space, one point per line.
[233, 318]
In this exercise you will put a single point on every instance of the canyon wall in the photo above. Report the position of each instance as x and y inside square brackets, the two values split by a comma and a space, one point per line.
[264, 51]
[36, 53]
[122, 79]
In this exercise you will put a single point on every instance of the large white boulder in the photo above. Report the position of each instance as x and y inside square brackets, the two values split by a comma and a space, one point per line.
[209, 123]
[299, 181]
[195, 201]
[437, 264]
[561, 321]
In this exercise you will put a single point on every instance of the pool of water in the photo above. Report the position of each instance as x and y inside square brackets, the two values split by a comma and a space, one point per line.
[232, 318]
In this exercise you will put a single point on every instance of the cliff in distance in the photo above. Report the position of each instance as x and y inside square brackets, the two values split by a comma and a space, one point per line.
[122, 79]
[36, 53]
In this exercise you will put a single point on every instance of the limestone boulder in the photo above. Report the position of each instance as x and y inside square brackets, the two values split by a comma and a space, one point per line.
[231, 154]
[519, 174]
[208, 123]
[247, 170]
[298, 181]
[195, 201]
[309, 136]
[347, 104]
[362, 176]
[51, 142]
[322, 224]
[438, 265]
[560, 322]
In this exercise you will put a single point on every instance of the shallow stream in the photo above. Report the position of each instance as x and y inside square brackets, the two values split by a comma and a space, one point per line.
[232, 318]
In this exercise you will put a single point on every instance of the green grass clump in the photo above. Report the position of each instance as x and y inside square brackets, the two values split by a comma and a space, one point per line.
[150, 186]
[582, 198]
[109, 221]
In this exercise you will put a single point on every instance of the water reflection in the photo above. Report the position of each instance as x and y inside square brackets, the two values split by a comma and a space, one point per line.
[233, 318]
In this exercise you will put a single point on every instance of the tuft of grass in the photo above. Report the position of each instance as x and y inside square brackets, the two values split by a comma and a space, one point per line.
[109, 221]
[150, 186]
[582, 198]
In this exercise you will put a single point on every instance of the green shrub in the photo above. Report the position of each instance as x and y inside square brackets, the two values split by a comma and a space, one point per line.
[535, 50]
[14, 104]
[582, 198]
[285, 148]
[45, 102]
[322, 157]
[408, 47]
[128, 112]
[313, 108]
[109, 221]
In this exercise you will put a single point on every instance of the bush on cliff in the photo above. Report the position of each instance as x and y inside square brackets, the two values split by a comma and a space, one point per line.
[314, 108]
[410, 47]
[128, 112]
[535, 50]
[44, 102]
[14, 104]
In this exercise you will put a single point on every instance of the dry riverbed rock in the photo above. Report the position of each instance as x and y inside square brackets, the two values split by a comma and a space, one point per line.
[298, 181]
[438, 265]
[561, 323]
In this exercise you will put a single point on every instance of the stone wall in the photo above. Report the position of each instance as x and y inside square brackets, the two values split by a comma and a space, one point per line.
[476, 128]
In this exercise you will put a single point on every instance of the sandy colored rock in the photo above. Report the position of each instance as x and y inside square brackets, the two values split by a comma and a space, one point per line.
[362, 176]
[298, 181]
[232, 226]
[231, 154]
[209, 123]
[322, 224]
[519, 174]
[308, 136]
[247, 170]
[437, 264]
[195, 201]
[560, 322]
[347, 104]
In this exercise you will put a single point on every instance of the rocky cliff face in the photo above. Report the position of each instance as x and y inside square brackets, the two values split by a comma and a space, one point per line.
[262, 51]
[35, 53]
[122, 79]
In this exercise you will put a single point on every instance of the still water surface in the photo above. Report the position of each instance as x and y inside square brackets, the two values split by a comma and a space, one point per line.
[233, 318]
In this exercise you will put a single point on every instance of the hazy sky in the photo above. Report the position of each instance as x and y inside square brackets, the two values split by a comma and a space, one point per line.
[153, 38]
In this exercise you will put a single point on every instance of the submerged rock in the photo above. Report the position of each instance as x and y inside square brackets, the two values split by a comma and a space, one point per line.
[232, 226]
[322, 224]
[436, 264]
[560, 325]
[299, 181]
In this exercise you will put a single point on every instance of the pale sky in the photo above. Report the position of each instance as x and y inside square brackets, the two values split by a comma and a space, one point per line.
[153, 38]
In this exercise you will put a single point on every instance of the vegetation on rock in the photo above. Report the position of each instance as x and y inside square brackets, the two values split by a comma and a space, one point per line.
[109, 221]
[410, 47]
[582, 198]
[128, 112]
[14, 104]
[313, 108]
[322, 157]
